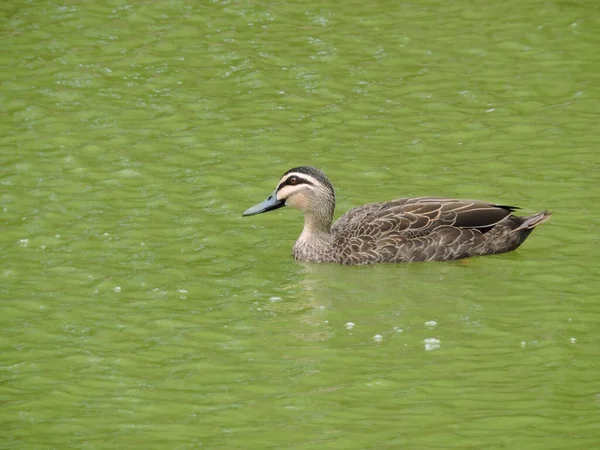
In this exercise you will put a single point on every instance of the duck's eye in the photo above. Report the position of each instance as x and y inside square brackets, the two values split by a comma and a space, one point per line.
[293, 181]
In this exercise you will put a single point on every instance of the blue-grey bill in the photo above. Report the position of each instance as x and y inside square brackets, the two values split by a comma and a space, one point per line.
[269, 204]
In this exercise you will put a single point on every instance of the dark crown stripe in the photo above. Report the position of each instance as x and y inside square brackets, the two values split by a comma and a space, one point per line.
[314, 173]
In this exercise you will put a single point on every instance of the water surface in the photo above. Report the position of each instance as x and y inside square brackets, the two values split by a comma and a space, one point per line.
[140, 310]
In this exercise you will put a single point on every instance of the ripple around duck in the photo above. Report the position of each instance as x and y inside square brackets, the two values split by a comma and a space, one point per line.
[138, 305]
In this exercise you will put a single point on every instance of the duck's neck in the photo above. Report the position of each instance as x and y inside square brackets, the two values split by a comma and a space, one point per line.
[314, 244]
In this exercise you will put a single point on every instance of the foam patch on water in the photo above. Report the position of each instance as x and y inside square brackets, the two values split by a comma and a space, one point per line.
[431, 343]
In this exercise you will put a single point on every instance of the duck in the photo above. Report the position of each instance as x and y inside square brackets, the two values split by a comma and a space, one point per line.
[404, 230]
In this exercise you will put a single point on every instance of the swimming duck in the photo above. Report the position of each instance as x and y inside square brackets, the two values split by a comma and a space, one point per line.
[402, 230]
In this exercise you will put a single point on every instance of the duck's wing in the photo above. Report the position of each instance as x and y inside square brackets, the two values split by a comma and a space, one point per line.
[421, 215]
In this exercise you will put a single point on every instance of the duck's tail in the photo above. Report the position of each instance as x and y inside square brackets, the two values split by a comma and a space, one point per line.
[529, 223]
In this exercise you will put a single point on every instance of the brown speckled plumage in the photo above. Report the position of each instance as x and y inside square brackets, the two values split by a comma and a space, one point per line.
[402, 230]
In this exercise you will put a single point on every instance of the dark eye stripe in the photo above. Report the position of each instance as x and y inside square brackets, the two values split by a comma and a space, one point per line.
[299, 180]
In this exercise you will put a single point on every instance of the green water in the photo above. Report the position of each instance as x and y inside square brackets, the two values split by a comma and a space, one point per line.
[138, 308]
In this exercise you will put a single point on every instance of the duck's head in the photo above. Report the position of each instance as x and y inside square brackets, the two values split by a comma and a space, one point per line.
[304, 188]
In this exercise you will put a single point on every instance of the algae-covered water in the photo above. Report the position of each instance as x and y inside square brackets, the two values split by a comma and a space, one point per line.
[138, 308]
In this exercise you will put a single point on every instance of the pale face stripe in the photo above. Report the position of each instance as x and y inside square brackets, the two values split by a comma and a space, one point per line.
[286, 191]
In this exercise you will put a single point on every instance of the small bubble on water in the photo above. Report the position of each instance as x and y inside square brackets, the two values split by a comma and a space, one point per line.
[573, 340]
[349, 325]
[431, 324]
[378, 338]
[398, 330]
[431, 343]
[523, 344]
[23, 242]
[117, 289]
[274, 299]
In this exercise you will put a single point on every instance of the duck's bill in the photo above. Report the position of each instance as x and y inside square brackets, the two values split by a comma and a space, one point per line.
[269, 204]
